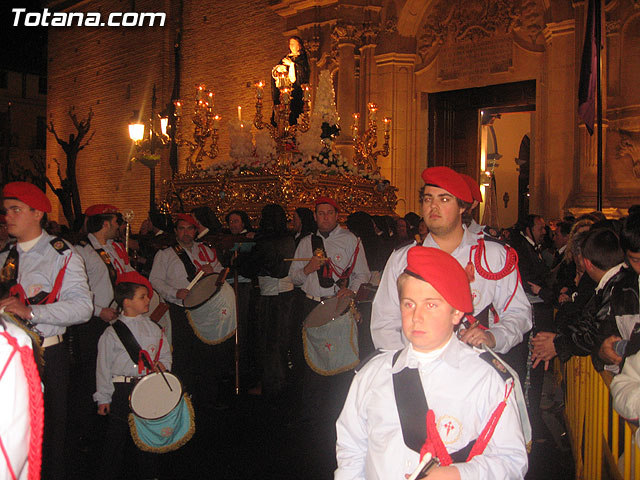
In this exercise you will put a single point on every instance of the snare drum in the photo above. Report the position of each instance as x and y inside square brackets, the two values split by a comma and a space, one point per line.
[162, 417]
[330, 337]
[211, 310]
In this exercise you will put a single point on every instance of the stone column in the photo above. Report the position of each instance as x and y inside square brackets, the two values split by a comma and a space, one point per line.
[367, 90]
[346, 37]
[396, 86]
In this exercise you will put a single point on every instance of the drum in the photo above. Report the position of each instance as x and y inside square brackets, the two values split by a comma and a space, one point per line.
[330, 337]
[159, 313]
[211, 310]
[161, 418]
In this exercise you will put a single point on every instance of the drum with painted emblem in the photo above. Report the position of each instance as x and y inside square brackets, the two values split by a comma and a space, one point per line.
[330, 337]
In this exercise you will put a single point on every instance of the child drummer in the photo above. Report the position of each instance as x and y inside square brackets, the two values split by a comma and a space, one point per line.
[437, 396]
[115, 372]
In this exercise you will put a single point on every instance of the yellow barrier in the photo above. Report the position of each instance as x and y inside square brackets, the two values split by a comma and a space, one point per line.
[595, 428]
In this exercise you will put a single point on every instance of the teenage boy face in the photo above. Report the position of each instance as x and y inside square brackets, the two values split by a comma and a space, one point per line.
[427, 318]
[440, 211]
[139, 304]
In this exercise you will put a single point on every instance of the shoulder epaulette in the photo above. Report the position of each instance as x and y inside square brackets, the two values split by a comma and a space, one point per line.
[406, 243]
[366, 359]
[490, 234]
[83, 242]
[497, 365]
[59, 245]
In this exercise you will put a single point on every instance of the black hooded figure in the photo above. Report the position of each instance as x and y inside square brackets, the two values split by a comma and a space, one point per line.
[297, 58]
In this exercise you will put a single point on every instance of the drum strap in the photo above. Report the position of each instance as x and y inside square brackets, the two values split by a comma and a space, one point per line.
[184, 258]
[139, 356]
[325, 277]
[412, 405]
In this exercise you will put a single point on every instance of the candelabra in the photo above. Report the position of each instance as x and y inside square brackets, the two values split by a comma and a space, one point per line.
[365, 153]
[147, 142]
[205, 126]
[283, 132]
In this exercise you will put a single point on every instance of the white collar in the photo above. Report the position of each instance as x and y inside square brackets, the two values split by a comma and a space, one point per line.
[28, 245]
[607, 276]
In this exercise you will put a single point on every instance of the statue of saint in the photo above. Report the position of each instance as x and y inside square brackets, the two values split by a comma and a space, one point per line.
[292, 72]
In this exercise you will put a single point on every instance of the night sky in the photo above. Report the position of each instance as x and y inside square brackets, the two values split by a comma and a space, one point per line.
[23, 48]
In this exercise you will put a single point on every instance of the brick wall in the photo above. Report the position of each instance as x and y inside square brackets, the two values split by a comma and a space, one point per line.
[226, 44]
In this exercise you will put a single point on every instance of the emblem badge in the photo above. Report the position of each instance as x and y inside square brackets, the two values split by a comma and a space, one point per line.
[449, 428]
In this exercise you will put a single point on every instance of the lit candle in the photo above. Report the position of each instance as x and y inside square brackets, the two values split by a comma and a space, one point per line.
[199, 92]
[210, 100]
[216, 122]
[178, 108]
[259, 91]
[306, 96]
[387, 124]
[240, 114]
[372, 111]
[285, 96]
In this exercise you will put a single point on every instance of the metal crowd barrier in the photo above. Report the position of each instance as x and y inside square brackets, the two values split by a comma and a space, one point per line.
[601, 440]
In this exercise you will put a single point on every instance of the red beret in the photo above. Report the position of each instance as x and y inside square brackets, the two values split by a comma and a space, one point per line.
[444, 273]
[448, 179]
[135, 277]
[473, 186]
[29, 194]
[101, 209]
[330, 201]
[187, 217]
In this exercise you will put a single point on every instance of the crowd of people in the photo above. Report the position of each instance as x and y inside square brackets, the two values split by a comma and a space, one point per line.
[457, 323]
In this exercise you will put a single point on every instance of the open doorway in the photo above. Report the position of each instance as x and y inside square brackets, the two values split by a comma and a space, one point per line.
[460, 138]
[506, 156]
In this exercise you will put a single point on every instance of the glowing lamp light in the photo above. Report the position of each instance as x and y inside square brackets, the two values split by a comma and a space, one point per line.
[136, 131]
[164, 122]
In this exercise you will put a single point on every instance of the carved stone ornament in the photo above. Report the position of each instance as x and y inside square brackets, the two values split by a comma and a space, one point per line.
[630, 146]
[613, 26]
[466, 21]
[346, 33]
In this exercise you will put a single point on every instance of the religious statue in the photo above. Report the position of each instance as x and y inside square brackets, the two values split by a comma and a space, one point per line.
[291, 72]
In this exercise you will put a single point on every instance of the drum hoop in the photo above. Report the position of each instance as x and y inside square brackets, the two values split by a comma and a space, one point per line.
[215, 292]
[172, 408]
[335, 316]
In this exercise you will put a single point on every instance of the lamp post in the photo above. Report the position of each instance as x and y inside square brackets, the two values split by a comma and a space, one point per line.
[146, 146]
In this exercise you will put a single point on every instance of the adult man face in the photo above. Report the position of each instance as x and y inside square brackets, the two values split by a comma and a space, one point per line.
[538, 230]
[441, 211]
[111, 227]
[633, 258]
[235, 224]
[185, 233]
[326, 217]
[23, 222]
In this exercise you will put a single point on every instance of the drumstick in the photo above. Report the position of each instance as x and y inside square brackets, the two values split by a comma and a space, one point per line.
[195, 280]
[426, 459]
[165, 380]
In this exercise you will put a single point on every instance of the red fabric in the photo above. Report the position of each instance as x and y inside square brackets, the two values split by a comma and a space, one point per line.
[433, 444]
[187, 217]
[346, 272]
[122, 252]
[473, 186]
[101, 209]
[53, 295]
[141, 355]
[29, 194]
[448, 179]
[135, 277]
[444, 273]
[330, 201]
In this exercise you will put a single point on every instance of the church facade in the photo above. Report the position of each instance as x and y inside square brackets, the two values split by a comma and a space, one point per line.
[453, 76]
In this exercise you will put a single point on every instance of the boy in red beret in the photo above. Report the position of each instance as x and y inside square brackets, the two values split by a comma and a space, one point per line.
[115, 371]
[437, 396]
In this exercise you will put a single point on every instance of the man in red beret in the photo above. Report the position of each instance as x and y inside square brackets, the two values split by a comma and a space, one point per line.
[435, 396]
[104, 259]
[48, 288]
[338, 267]
[500, 304]
[173, 269]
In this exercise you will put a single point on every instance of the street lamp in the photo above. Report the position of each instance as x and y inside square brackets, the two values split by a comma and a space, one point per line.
[147, 140]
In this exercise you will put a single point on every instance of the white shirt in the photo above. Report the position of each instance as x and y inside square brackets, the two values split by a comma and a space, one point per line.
[461, 389]
[98, 273]
[514, 322]
[340, 246]
[38, 269]
[168, 274]
[113, 358]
